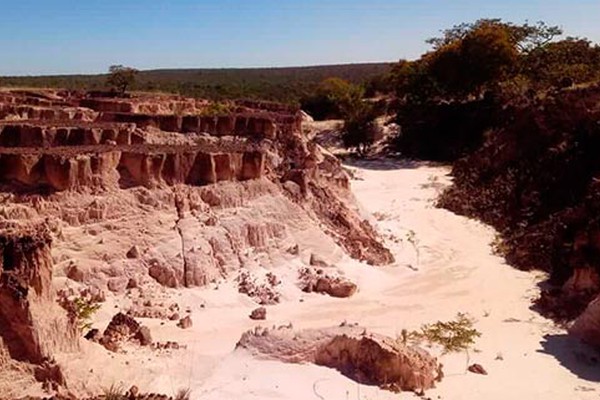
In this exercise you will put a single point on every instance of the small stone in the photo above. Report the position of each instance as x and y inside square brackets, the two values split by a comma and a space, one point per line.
[185, 323]
[174, 317]
[134, 252]
[294, 250]
[477, 369]
[132, 284]
[259, 314]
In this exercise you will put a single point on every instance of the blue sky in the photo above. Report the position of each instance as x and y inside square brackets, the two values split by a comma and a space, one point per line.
[59, 36]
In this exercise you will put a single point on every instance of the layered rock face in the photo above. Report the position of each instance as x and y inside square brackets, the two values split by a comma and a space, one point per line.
[152, 192]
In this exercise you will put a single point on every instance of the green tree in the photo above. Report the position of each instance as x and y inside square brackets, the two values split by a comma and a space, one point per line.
[485, 55]
[332, 98]
[121, 78]
[525, 37]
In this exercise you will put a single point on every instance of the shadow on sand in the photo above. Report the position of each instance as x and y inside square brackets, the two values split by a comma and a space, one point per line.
[580, 359]
[387, 164]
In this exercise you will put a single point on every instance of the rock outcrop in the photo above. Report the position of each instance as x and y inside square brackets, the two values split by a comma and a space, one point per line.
[366, 358]
[122, 329]
[32, 325]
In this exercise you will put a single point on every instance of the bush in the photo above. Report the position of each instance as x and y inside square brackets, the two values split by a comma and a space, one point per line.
[360, 129]
[453, 336]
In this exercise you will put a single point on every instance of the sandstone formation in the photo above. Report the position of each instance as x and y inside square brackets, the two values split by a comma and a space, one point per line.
[156, 191]
[366, 358]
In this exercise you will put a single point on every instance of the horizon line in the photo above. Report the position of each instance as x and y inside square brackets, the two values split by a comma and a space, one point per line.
[297, 66]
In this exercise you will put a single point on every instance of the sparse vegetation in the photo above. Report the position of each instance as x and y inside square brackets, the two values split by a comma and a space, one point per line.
[217, 108]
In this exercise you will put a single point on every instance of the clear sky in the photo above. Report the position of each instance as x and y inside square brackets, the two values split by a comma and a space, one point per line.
[86, 36]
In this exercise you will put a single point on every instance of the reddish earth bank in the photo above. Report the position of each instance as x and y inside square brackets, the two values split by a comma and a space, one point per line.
[536, 180]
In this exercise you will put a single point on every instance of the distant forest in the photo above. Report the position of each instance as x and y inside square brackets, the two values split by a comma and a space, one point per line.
[287, 85]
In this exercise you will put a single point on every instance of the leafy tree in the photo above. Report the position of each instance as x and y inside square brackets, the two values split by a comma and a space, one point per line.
[572, 60]
[484, 55]
[121, 78]
[413, 82]
[525, 37]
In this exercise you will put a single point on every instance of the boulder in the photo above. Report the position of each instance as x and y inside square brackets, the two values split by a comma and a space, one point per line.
[587, 325]
[381, 361]
[364, 357]
[164, 274]
[75, 273]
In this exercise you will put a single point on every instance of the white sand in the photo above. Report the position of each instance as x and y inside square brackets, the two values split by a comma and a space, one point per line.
[456, 272]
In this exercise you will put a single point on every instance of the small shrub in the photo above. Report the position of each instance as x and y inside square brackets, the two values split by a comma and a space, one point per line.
[411, 237]
[452, 336]
[114, 392]
[79, 308]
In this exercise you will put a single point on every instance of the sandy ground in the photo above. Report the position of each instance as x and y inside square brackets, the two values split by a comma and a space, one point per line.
[450, 269]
